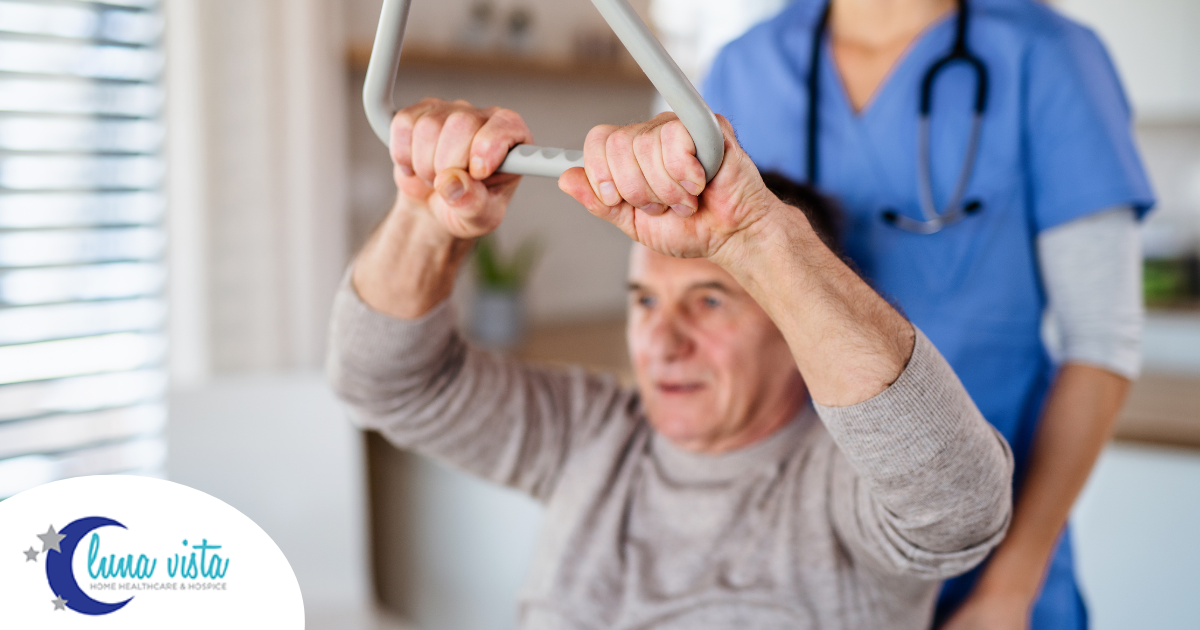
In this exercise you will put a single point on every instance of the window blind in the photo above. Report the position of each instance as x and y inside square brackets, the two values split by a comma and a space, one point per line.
[82, 243]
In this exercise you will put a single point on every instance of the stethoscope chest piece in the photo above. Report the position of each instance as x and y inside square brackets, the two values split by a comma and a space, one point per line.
[953, 215]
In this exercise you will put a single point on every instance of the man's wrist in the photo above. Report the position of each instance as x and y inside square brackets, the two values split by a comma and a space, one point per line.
[409, 264]
[849, 343]
[752, 255]
[413, 223]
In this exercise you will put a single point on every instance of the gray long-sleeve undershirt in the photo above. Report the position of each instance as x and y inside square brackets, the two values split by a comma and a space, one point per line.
[845, 518]
[1091, 269]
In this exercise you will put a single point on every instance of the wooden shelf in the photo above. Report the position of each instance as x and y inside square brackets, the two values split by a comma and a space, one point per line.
[597, 346]
[505, 64]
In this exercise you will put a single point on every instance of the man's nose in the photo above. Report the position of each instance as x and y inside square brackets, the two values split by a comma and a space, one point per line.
[670, 338]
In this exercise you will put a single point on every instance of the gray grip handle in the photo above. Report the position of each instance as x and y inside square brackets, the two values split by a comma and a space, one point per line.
[662, 71]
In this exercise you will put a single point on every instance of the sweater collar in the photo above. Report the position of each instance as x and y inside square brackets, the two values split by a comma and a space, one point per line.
[688, 466]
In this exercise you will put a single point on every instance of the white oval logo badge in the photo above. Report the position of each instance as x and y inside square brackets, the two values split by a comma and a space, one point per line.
[132, 552]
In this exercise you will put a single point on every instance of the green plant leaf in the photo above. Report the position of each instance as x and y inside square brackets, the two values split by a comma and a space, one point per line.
[498, 273]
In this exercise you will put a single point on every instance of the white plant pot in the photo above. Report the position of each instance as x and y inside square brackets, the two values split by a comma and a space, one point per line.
[498, 318]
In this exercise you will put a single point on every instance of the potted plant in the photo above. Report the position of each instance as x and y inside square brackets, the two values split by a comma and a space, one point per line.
[498, 317]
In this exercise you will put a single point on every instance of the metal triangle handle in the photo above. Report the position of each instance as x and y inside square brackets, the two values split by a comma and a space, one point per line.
[526, 159]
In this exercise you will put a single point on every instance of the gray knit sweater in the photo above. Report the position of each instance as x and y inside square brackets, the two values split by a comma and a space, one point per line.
[847, 517]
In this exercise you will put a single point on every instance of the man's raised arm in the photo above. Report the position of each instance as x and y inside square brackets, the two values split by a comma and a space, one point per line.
[849, 343]
[444, 158]
[395, 357]
[936, 496]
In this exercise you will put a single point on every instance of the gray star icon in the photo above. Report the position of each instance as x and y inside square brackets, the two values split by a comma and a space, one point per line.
[31, 555]
[59, 603]
[51, 539]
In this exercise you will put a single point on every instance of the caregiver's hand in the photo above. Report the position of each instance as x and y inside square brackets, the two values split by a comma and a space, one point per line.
[646, 180]
[983, 611]
[445, 156]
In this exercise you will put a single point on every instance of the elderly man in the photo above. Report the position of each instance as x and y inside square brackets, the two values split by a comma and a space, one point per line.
[795, 453]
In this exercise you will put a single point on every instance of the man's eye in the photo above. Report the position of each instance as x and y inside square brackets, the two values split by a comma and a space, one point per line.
[645, 301]
[711, 302]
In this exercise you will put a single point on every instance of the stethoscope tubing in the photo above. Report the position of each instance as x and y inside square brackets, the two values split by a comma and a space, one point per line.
[955, 210]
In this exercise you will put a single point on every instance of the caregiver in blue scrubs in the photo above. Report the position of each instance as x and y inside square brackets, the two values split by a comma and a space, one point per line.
[1046, 216]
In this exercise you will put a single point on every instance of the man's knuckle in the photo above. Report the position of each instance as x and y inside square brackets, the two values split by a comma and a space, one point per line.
[425, 105]
[675, 161]
[619, 139]
[427, 124]
[507, 116]
[403, 118]
[598, 135]
[645, 143]
[632, 190]
[673, 129]
[461, 119]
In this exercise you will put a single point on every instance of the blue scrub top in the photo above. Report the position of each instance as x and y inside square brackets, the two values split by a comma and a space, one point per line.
[1056, 145]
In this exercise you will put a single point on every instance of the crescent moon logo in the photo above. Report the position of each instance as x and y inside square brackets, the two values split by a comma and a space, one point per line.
[61, 576]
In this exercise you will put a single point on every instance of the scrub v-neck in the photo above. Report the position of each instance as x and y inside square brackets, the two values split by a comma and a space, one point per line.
[902, 80]
[884, 87]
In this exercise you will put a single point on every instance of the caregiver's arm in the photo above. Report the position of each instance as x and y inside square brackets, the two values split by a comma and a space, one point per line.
[1091, 268]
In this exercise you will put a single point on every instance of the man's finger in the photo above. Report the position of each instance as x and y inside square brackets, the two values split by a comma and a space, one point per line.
[679, 157]
[595, 164]
[466, 202]
[425, 134]
[627, 173]
[401, 133]
[648, 149]
[575, 183]
[503, 130]
[457, 188]
[454, 143]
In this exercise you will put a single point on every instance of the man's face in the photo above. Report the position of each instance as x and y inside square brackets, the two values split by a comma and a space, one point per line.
[714, 372]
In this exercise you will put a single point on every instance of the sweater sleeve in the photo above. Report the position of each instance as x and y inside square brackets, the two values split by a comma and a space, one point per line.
[925, 484]
[419, 384]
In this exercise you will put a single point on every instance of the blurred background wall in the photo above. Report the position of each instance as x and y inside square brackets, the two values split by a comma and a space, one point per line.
[273, 179]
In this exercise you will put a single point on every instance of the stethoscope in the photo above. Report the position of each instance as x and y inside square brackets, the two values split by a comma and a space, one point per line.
[956, 210]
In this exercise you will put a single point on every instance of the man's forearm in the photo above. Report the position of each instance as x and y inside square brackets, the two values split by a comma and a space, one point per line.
[849, 343]
[409, 264]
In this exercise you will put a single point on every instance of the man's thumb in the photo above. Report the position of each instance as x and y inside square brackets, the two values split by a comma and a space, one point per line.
[457, 188]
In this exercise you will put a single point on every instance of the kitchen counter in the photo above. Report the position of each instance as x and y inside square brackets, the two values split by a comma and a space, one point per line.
[1162, 409]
